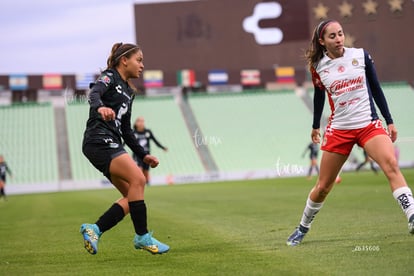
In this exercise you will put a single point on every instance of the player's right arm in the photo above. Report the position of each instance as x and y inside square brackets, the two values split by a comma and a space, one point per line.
[318, 103]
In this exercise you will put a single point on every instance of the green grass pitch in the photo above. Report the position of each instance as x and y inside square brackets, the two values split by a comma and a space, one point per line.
[226, 228]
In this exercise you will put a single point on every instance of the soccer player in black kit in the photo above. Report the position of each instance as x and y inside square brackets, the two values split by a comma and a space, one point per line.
[369, 160]
[144, 137]
[3, 170]
[109, 124]
[313, 149]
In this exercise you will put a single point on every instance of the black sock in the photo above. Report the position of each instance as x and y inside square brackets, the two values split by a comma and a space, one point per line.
[138, 212]
[111, 217]
[303, 229]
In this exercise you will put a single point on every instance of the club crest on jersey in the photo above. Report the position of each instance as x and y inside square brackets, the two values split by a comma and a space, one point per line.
[105, 80]
[355, 62]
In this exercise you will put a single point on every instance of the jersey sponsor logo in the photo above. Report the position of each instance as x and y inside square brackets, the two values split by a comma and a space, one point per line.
[113, 145]
[121, 112]
[110, 143]
[339, 87]
[143, 142]
[118, 89]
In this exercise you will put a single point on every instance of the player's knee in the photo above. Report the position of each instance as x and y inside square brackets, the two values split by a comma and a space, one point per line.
[138, 180]
[390, 166]
[323, 190]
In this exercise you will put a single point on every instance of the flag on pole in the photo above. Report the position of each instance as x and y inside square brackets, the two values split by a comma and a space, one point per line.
[18, 82]
[285, 74]
[52, 81]
[250, 77]
[186, 78]
[83, 80]
[218, 77]
[153, 78]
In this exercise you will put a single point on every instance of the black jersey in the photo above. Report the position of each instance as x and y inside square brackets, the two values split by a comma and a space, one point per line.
[3, 170]
[110, 90]
[144, 138]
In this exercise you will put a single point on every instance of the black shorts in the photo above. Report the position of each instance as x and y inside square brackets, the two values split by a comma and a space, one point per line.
[101, 155]
[141, 163]
[313, 156]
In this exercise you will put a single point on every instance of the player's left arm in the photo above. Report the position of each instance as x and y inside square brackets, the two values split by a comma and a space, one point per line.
[152, 137]
[8, 170]
[378, 95]
[376, 90]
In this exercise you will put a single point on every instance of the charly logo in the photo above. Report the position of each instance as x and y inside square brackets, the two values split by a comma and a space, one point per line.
[263, 11]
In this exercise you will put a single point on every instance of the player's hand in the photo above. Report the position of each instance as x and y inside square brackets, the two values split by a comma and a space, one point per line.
[151, 160]
[316, 135]
[392, 132]
[107, 113]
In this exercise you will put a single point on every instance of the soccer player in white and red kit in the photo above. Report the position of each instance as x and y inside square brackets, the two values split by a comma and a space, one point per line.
[348, 77]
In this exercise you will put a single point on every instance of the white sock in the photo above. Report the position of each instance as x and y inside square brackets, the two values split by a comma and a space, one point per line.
[404, 197]
[311, 209]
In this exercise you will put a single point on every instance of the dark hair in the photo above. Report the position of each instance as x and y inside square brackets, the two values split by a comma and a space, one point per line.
[119, 50]
[315, 51]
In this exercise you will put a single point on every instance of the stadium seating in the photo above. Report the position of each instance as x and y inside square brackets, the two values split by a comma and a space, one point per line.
[400, 97]
[76, 116]
[258, 130]
[162, 116]
[243, 132]
[28, 142]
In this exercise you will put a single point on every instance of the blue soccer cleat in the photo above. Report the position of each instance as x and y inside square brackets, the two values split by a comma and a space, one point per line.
[296, 237]
[152, 245]
[91, 235]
